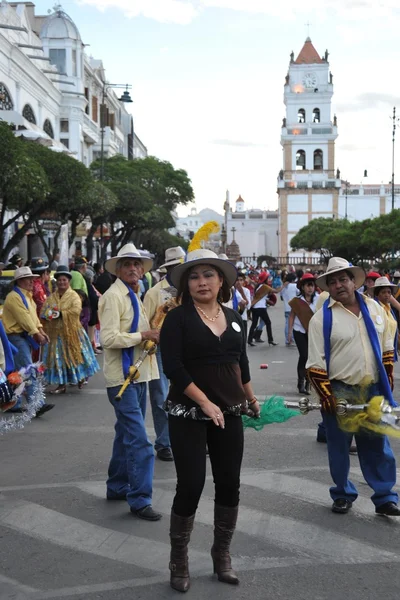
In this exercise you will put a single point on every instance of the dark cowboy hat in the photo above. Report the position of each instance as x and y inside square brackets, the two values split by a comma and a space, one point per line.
[62, 270]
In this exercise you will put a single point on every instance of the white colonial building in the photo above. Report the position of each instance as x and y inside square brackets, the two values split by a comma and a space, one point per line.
[309, 185]
[254, 230]
[50, 87]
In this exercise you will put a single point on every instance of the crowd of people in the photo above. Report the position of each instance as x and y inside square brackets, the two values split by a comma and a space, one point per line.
[181, 333]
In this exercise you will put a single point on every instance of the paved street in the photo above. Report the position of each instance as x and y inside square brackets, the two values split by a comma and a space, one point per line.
[61, 539]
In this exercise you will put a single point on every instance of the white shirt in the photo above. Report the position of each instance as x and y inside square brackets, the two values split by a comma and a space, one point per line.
[352, 359]
[297, 326]
[248, 298]
[287, 294]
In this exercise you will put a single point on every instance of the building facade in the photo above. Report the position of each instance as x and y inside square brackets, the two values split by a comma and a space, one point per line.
[49, 86]
[309, 184]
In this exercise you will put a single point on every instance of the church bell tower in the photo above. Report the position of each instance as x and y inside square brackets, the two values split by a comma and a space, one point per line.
[308, 186]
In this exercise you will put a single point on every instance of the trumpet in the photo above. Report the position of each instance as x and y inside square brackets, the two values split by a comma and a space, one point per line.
[304, 405]
[148, 348]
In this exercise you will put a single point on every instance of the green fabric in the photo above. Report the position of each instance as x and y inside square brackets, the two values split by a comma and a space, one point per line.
[273, 410]
[78, 282]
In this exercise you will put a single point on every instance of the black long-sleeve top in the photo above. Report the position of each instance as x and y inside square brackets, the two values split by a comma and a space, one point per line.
[192, 353]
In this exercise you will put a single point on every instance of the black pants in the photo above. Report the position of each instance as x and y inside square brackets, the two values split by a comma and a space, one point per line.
[189, 439]
[301, 340]
[256, 314]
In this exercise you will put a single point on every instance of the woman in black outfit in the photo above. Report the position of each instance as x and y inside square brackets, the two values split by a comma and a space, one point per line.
[203, 347]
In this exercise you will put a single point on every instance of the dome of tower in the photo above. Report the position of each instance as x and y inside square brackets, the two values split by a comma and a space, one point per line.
[59, 25]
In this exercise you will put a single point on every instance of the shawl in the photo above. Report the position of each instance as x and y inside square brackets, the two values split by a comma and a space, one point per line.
[260, 293]
[390, 312]
[302, 310]
[373, 338]
[67, 327]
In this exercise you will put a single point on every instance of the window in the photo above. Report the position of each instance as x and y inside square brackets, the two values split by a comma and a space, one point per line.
[64, 126]
[65, 141]
[300, 160]
[316, 115]
[95, 109]
[5, 99]
[301, 115]
[28, 114]
[111, 120]
[48, 128]
[74, 70]
[318, 160]
[87, 111]
[57, 58]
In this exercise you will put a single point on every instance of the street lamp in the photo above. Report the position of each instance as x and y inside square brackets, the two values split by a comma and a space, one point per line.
[126, 98]
[394, 119]
[346, 191]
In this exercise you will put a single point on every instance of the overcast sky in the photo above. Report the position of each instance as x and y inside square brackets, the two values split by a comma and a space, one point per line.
[208, 78]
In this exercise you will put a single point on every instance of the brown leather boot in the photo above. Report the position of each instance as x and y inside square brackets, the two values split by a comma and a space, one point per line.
[225, 518]
[180, 530]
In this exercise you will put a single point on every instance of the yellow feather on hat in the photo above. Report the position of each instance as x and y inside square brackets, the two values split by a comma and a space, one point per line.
[203, 234]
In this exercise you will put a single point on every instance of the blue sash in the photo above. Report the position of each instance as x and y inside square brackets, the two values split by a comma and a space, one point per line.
[9, 350]
[34, 345]
[373, 338]
[127, 353]
[235, 302]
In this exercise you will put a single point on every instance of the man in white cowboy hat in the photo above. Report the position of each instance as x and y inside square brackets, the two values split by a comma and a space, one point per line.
[350, 356]
[23, 327]
[157, 302]
[124, 325]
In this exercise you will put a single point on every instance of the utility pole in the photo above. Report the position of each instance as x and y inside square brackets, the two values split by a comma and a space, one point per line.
[394, 119]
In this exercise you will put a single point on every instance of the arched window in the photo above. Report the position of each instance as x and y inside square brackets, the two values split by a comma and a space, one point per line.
[28, 114]
[300, 160]
[316, 115]
[5, 99]
[318, 160]
[48, 128]
[301, 115]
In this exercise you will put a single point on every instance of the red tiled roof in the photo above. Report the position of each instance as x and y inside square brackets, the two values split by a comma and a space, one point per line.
[308, 55]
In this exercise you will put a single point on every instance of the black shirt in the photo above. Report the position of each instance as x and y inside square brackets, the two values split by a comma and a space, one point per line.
[192, 353]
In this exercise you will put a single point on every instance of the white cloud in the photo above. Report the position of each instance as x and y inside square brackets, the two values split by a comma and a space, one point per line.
[183, 12]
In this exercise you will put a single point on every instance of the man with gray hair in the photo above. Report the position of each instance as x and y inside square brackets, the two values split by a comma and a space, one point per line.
[124, 326]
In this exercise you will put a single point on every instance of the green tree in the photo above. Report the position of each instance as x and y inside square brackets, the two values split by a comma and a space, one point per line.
[70, 198]
[24, 190]
[320, 236]
[147, 190]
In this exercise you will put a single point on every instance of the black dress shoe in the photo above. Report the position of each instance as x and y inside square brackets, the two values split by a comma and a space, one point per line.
[251, 343]
[147, 513]
[43, 409]
[18, 411]
[342, 506]
[273, 343]
[165, 454]
[389, 508]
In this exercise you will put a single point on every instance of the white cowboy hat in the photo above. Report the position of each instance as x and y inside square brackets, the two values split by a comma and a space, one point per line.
[204, 257]
[173, 256]
[383, 282]
[127, 251]
[337, 264]
[22, 273]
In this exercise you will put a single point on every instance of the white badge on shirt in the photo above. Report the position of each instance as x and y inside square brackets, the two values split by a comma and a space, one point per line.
[236, 326]
[379, 320]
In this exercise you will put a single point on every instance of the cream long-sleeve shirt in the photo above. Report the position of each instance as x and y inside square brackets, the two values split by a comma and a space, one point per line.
[352, 359]
[116, 316]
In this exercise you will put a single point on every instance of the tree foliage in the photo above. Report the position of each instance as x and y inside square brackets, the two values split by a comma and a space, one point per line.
[374, 240]
[147, 191]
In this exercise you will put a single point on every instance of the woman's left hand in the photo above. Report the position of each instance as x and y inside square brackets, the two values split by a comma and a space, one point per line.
[254, 410]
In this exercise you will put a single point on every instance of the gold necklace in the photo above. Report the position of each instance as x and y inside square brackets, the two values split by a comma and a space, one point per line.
[212, 319]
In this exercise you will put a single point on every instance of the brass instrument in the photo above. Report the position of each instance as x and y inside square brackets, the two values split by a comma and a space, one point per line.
[148, 348]
[389, 415]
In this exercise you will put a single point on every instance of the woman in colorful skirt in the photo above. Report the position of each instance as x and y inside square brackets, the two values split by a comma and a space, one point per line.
[69, 357]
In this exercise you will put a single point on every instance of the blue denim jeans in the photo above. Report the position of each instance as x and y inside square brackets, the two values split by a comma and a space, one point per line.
[376, 458]
[158, 390]
[132, 463]
[22, 359]
[287, 313]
